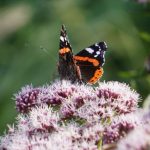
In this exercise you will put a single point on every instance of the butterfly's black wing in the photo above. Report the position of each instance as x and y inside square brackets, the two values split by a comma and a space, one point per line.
[90, 61]
[66, 66]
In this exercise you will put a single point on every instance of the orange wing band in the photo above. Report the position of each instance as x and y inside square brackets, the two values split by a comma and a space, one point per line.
[64, 50]
[97, 75]
[91, 60]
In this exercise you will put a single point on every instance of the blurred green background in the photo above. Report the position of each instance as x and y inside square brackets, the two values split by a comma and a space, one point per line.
[29, 41]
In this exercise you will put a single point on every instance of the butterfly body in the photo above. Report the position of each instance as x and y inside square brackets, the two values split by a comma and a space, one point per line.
[85, 66]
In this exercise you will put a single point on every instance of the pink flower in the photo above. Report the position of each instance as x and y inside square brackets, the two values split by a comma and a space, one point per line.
[138, 139]
[120, 126]
[72, 116]
[26, 98]
[143, 1]
[40, 119]
[119, 95]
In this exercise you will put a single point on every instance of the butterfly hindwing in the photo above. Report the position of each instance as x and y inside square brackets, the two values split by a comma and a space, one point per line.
[90, 61]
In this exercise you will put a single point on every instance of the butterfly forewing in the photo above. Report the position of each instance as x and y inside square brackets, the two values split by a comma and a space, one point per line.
[66, 66]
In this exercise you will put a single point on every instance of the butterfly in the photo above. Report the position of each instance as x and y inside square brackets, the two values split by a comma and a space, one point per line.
[85, 66]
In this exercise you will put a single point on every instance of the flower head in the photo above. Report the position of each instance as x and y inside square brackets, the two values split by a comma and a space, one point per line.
[26, 98]
[72, 116]
[119, 95]
[120, 127]
[138, 139]
[143, 1]
[40, 119]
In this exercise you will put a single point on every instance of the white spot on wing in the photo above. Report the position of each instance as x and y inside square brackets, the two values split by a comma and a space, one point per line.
[62, 38]
[96, 44]
[90, 50]
[105, 44]
[97, 53]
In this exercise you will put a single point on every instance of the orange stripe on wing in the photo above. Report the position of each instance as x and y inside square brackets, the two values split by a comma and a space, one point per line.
[97, 75]
[91, 60]
[64, 50]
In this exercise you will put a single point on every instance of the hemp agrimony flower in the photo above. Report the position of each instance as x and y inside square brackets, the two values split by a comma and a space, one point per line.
[66, 115]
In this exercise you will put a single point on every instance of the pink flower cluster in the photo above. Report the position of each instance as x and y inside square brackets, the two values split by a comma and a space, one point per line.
[138, 139]
[81, 101]
[65, 116]
[143, 1]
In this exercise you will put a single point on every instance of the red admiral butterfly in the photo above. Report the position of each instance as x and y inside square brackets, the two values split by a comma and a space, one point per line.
[85, 66]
